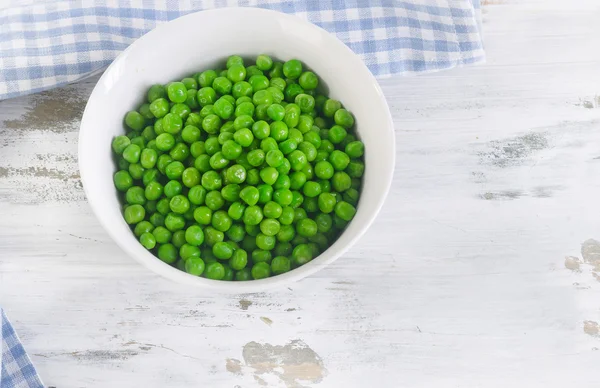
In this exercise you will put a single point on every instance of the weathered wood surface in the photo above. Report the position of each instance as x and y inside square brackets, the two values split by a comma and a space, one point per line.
[474, 274]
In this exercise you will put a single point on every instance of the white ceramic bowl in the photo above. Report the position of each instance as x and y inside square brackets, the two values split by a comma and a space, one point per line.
[203, 40]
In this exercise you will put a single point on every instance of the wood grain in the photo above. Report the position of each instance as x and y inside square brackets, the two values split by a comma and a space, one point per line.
[462, 281]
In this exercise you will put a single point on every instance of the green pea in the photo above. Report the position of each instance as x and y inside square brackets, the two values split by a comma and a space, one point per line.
[122, 180]
[236, 232]
[223, 108]
[269, 175]
[343, 118]
[285, 167]
[297, 160]
[302, 254]
[308, 80]
[222, 250]
[239, 259]
[215, 271]
[269, 227]
[167, 253]
[339, 160]
[292, 69]
[135, 195]
[311, 189]
[280, 264]
[276, 112]
[313, 138]
[258, 82]
[195, 266]
[236, 73]
[193, 119]
[277, 95]
[136, 170]
[150, 175]
[242, 89]
[165, 141]
[324, 222]
[287, 216]
[153, 191]
[206, 78]
[148, 240]
[252, 215]
[202, 163]
[260, 129]
[203, 215]
[212, 145]
[174, 170]
[244, 109]
[213, 236]
[355, 169]
[243, 136]
[337, 134]
[161, 234]
[264, 62]
[305, 102]
[265, 193]
[143, 227]
[297, 199]
[261, 270]
[172, 188]
[283, 197]
[134, 214]
[261, 256]
[236, 210]
[253, 177]
[120, 143]
[324, 170]
[177, 92]
[135, 120]
[180, 152]
[327, 202]
[180, 110]
[256, 157]
[278, 83]
[341, 181]
[231, 192]
[291, 91]
[132, 153]
[214, 200]
[236, 174]
[345, 211]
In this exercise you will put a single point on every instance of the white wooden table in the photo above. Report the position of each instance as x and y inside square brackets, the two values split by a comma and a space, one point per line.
[461, 282]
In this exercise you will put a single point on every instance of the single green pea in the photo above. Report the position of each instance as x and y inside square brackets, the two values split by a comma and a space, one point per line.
[278, 83]
[262, 97]
[177, 92]
[167, 253]
[305, 102]
[241, 122]
[311, 189]
[153, 191]
[135, 195]
[179, 204]
[310, 204]
[337, 134]
[327, 202]
[231, 192]
[355, 169]
[264, 62]
[187, 251]
[243, 136]
[155, 92]
[297, 180]
[132, 153]
[253, 70]
[292, 69]
[283, 249]
[252, 231]
[135, 120]
[327, 146]
[122, 180]
[261, 256]
[244, 109]
[261, 112]
[134, 214]
[202, 163]
[206, 96]
[203, 215]
[223, 108]
[162, 235]
[236, 73]
[206, 78]
[324, 170]
[269, 227]
[231, 150]
[265, 193]
[276, 112]
[260, 129]
[286, 233]
[249, 195]
[138, 141]
[277, 95]
[292, 115]
[279, 131]
[237, 232]
[272, 210]
[297, 199]
[253, 177]
[239, 259]
[148, 158]
[193, 119]
[222, 250]
[309, 150]
[242, 89]
[180, 110]
[190, 83]
[243, 275]
[148, 240]
[330, 107]
[256, 157]
[163, 207]
[233, 60]
[259, 82]
[215, 271]
[236, 210]
[174, 222]
[136, 170]
[180, 152]
[214, 200]
[305, 122]
[211, 124]
[341, 181]
[351, 196]
[212, 145]
[236, 174]
[324, 222]
[345, 211]
[211, 180]
[280, 264]
[308, 80]
[313, 138]
[287, 216]
[269, 175]
[297, 160]
[120, 143]
[165, 141]
[343, 118]
[150, 175]
[222, 85]
[194, 236]
[302, 254]
[205, 111]
[276, 70]
[285, 167]
[261, 270]
[159, 107]
[143, 227]
[194, 265]
[174, 170]
[253, 215]
[339, 160]
[172, 188]
[282, 182]
[190, 177]
[288, 146]
[283, 197]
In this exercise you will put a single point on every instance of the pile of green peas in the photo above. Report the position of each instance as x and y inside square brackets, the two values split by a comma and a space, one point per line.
[241, 173]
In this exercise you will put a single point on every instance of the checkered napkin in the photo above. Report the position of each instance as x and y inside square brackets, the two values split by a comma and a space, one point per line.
[46, 44]
[16, 369]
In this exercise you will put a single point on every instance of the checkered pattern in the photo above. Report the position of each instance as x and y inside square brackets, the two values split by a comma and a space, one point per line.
[46, 44]
[16, 369]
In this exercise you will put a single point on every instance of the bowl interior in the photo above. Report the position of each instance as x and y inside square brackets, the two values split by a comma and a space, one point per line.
[204, 40]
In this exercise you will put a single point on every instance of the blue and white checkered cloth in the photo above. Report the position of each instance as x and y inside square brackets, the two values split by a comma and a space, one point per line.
[46, 44]
[16, 369]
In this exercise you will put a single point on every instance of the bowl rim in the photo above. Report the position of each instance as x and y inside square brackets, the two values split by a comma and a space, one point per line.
[178, 276]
